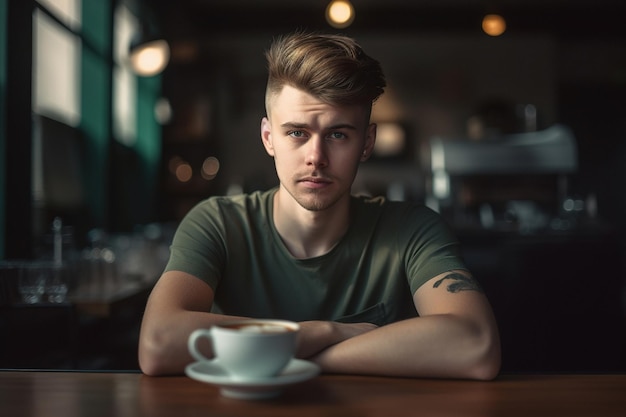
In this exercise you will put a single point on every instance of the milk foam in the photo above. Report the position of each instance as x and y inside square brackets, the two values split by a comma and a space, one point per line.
[263, 328]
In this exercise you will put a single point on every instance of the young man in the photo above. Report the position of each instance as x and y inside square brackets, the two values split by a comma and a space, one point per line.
[377, 286]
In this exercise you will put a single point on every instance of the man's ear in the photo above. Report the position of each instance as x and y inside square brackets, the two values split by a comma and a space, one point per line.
[266, 136]
[370, 141]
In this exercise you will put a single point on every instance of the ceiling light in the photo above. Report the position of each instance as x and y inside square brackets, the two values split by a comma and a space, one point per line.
[149, 58]
[494, 25]
[340, 13]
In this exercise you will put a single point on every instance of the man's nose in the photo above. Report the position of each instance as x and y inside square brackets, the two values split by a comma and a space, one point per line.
[316, 153]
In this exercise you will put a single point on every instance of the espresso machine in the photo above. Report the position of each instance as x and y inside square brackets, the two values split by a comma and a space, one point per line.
[514, 182]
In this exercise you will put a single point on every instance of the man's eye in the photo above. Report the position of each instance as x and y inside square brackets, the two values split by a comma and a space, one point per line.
[296, 133]
[337, 135]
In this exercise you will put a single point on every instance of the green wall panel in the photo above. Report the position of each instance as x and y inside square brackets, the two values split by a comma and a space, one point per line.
[96, 127]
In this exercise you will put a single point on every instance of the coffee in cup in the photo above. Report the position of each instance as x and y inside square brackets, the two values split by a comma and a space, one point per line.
[249, 349]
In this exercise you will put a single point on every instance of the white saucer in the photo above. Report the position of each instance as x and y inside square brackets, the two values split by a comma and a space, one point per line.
[211, 372]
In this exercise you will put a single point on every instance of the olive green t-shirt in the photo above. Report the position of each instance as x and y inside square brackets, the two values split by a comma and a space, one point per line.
[388, 252]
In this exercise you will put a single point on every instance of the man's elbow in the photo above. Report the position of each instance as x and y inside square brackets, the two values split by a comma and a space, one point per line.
[486, 365]
[153, 358]
[149, 364]
[487, 370]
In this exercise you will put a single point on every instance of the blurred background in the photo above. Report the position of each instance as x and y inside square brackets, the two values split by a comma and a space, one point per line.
[508, 117]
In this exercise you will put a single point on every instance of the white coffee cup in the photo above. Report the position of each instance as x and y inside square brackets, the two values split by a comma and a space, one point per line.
[249, 349]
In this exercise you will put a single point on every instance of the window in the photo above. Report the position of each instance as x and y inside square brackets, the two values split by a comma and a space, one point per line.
[67, 11]
[56, 65]
[124, 80]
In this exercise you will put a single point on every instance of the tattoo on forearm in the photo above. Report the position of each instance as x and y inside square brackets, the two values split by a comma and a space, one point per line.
[459, 283]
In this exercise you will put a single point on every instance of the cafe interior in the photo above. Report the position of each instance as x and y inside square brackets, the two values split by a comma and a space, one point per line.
[507, 117]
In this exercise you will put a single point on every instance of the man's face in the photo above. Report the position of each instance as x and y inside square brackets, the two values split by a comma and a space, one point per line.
[316, 147]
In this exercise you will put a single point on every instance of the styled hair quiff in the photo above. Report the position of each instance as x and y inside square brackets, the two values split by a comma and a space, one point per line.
[332, 68]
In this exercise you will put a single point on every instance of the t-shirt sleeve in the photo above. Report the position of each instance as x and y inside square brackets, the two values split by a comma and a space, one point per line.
[198, 245]
[432, 248]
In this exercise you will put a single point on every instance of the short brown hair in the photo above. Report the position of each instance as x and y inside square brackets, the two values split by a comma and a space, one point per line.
[332, 68]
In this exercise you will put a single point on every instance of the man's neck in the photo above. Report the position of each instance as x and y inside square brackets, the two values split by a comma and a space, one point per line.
[306, 233]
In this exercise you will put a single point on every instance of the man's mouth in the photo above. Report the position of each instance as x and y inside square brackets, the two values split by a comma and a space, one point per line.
[315, 181]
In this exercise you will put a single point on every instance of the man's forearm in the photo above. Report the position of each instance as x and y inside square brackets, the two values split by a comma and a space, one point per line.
[441, 346]
[163, 345]
[316, 336]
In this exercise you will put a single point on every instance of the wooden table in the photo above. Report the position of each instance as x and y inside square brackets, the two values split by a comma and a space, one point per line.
[71, 394]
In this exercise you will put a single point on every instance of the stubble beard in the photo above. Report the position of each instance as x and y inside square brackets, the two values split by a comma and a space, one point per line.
[313, 200]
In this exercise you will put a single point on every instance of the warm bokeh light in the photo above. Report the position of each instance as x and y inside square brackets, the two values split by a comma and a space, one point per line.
[184, 172]
[340, 13]
[180, 168]
[150, 58]
[494, 25]
[163, 111]
[210, 168]
[390, 139]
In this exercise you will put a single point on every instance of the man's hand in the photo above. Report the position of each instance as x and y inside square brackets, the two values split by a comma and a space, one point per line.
[315, 336]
